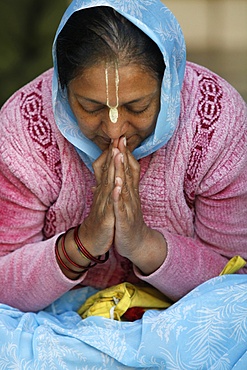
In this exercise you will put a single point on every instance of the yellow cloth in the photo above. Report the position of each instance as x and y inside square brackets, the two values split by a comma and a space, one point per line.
[235, 264]
[113, 302]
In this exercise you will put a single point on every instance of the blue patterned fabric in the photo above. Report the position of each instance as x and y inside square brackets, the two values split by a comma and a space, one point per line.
[153, 18]
[206, 330]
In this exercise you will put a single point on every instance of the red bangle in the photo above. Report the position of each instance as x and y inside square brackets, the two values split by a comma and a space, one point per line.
[85, 252]
[69, 259]
[61, 261]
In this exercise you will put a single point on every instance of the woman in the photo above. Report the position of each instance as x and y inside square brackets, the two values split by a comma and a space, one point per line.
[132, 168]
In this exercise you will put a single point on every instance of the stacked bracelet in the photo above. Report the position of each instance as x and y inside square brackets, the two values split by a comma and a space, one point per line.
[67, 256]
[82, 250]
[60, 259]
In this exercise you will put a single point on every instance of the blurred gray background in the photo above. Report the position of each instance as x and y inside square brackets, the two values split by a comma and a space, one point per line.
[215, 33]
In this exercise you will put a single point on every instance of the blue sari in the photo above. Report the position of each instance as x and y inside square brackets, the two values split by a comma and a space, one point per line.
[206, 329]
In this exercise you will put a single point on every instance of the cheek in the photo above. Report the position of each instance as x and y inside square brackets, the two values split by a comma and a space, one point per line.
[88, 126]
[86, 122]
[150, 128]
[153, 118]
[147, 124]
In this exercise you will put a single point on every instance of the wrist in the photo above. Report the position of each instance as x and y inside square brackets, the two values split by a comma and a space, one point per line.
[73, 251]
[96, 240]
[67, 258]
[152, 252]
[87, 239]
[72, 257]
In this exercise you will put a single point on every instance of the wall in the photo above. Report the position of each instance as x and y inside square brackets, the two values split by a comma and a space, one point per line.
[216, 36]
[212, 24]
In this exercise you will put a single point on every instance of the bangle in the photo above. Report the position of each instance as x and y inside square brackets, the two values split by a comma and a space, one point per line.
[78, 250]
[85, 252]
[69, 259]
[61, 261]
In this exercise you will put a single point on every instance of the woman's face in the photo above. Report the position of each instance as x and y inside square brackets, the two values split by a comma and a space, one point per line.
[138, 97]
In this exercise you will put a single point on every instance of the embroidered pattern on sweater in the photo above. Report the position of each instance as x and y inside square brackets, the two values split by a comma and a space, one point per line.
[40, 130]
[49, 229]
[209, 110]
[44, 141]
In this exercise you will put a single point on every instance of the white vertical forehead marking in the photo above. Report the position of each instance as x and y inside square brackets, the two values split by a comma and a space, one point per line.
[113, 111]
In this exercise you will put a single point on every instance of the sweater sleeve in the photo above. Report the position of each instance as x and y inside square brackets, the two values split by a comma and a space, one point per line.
[218, 198]
[30, 276]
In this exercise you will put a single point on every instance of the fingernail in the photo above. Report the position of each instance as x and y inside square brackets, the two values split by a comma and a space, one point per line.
[114, 152]
[118, 181]
[124, 141]
[122, 158]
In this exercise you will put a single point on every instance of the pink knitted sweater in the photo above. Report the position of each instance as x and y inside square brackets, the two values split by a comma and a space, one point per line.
[193, 190]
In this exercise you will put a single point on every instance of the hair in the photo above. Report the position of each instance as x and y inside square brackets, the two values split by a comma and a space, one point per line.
[98, 34]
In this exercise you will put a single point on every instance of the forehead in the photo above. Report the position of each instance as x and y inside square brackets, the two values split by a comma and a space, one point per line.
[133, 80]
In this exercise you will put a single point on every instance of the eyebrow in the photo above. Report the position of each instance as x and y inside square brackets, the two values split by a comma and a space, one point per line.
[126, 103]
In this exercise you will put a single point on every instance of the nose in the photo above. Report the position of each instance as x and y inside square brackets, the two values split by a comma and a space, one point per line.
[115, 130]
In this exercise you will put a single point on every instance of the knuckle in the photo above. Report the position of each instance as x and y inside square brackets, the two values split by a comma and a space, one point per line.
[104, 167]
[128, 172]
[125, 189]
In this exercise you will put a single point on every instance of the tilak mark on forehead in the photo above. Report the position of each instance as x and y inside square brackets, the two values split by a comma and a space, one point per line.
[113, 111]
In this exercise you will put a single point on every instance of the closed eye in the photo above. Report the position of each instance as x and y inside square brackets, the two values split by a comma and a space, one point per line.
[94, 110]
[136, 111]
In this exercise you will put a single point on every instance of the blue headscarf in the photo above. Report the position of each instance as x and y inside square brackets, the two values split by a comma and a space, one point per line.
[157, 21]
